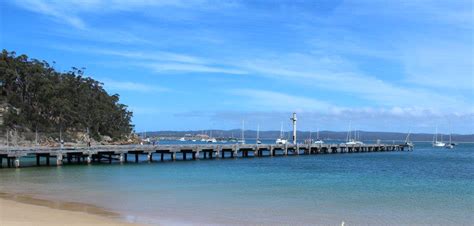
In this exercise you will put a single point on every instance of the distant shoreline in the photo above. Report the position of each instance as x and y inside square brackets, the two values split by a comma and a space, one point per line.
[302, 135]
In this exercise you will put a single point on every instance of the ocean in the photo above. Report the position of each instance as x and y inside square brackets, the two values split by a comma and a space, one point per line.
[427, 186]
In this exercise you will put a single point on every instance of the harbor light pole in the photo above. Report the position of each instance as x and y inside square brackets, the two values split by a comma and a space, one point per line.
[293, 119]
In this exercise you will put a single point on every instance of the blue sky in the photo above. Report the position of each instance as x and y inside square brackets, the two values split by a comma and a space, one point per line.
[382, 65]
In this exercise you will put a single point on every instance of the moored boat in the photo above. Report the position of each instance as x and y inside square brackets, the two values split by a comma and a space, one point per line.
[281, 140]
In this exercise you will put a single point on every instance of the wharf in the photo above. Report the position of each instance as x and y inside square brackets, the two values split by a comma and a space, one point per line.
[121, 153]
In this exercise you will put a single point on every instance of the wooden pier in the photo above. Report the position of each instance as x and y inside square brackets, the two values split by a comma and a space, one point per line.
[126, 153]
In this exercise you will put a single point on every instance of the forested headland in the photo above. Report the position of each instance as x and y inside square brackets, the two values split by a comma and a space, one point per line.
[37, 97]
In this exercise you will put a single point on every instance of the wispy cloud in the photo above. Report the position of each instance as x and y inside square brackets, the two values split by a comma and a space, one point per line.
[340, 75]
[69, 12]
[446, 65]
[398, 61]
[271, 100]
[155, 56]
[162, 61]
[452, 13]
[152, 56]
[132, 86]
[198, 68]
[49, 8]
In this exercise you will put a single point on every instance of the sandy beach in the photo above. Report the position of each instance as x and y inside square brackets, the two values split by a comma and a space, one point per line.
[24, 210]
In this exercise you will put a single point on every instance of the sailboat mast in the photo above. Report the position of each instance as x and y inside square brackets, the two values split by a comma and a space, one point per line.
[258, 132]
[349, 133]
[243, 124]
[281, 130]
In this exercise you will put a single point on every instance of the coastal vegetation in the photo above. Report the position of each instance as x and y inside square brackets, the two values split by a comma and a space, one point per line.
[37, 97]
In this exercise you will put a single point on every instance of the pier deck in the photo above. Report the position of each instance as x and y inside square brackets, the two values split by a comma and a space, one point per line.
[121, 153]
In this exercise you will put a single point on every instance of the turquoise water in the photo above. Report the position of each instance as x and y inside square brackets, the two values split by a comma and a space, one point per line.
[427, 186]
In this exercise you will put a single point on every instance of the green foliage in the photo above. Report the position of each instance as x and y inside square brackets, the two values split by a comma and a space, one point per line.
[40, 98]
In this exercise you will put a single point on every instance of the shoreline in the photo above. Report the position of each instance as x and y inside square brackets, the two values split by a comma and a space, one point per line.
[21, 209]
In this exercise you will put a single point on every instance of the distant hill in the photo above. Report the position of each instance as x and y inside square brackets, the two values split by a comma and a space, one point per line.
[326, 135]
[36, 97]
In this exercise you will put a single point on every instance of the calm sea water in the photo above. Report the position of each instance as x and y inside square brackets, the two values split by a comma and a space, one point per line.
[427, 186]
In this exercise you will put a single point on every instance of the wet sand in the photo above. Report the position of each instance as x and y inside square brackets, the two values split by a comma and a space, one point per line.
[25, 210]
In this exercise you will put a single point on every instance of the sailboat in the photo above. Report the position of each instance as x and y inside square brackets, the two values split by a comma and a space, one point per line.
[211, 139]
[357, 137]
[450, 145]
[258, 135]
[232, 138]
[242, 139]
[281, 139]
[204, 134]
[437, 143]
[350, 140]
[318, 141]
[407, 140]
[310, 139]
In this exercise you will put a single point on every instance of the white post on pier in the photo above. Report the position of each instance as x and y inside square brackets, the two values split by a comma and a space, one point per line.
[196, 152]
[17, 162]
[293, 119]
[122, 158]
[59, 159]
[235, 150]
[173, 156]
[218, 151]
[149, 157]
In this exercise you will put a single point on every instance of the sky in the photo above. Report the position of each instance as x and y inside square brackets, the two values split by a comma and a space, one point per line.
[197, 65]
